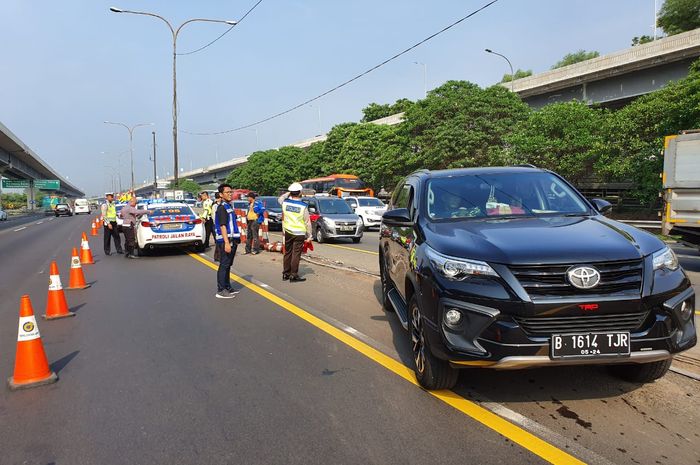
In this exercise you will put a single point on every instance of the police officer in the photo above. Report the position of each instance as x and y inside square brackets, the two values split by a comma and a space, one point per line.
[207, 216]
[296, 224]
[227, 239]
[109, 215]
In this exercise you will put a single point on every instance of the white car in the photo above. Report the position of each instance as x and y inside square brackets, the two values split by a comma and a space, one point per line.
[3, 215]
[81, 206]
[369, 209]
[169, 224]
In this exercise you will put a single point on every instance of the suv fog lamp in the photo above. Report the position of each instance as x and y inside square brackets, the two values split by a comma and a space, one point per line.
[453, 317]
[686, 310]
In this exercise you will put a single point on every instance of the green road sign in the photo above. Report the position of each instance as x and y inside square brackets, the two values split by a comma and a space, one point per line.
[15, 183]
[47, 184]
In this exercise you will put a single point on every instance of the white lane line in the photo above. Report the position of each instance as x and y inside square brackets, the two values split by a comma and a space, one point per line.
[51, 219]
[19, 229]
[40, 222]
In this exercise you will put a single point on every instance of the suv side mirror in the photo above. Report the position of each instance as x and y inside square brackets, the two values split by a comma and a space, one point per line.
[397, 217]
[312, 209]
[603, 206]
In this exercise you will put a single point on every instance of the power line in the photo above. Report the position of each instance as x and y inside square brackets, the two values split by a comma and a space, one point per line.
[225, 32]
[277, 115]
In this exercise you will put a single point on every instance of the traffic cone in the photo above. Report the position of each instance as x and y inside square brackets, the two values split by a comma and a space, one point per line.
[56, 305]
[77, 278]
[93, 230]
[85, 254]
[243, 228]
[31, 366]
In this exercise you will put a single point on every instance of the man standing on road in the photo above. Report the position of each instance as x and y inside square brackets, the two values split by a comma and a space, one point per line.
[130, 214]
[206, 216]
[255, 216]
[109, 215]
[227, 239]
[217, 203]
[296, 224]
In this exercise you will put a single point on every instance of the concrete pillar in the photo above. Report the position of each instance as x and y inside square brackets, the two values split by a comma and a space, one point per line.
[30, 196]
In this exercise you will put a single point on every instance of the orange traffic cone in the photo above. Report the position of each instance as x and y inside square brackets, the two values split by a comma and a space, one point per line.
[56, 305]
[77, 278]
[85, 254]
[93, 230]
[31, 366]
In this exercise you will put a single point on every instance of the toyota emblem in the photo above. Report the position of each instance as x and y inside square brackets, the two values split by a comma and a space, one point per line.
[583, 277]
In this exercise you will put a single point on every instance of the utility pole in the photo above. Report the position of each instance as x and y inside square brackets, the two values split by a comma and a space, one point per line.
[155, 175]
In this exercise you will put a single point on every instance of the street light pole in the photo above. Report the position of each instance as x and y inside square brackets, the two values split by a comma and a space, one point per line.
[131, 143]
[155, 175]
[512, 74]
[425, 77]
[175, 33]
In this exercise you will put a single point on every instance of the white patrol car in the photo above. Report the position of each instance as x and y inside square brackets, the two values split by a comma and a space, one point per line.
[169, 224]
[369, 209]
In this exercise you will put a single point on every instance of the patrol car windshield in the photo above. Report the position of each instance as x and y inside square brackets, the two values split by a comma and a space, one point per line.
[334, 206]
[370, 202]
[165, 211]
[502, 195]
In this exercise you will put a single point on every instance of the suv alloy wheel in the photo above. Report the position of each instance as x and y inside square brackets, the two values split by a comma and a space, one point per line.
[431, 372]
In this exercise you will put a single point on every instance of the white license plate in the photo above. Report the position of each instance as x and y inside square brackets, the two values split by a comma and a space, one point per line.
[170, 226]
[346, 228]
[590, 345]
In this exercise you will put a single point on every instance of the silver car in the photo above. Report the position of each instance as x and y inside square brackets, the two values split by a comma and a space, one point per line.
[332, 218]
[3, 216]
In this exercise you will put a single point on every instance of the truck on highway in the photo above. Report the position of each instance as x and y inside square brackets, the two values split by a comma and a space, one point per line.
[681, 186]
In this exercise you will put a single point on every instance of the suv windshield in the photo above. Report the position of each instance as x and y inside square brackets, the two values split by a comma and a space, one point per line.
[370, 203]
[500, 195]
[334, 206]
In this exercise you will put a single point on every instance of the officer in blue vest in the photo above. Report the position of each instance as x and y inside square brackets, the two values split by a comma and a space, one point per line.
[227, 239]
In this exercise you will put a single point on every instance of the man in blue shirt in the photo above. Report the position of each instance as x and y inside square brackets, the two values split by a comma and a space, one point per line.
[227, 239]
[255, 217]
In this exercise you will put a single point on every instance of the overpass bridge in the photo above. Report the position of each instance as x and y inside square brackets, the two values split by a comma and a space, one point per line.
[19, 162]
[615, 79]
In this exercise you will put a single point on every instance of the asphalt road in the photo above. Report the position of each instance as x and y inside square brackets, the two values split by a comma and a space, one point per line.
[154, 369]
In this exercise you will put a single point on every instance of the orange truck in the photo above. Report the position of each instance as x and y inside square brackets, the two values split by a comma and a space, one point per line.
[341, 185]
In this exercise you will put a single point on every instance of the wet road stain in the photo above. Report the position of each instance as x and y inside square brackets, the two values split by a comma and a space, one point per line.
[567, 413]
[624, 451]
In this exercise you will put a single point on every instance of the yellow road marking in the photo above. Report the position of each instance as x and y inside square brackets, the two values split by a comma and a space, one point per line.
[697, 312]
[342, 247]
[489, 419]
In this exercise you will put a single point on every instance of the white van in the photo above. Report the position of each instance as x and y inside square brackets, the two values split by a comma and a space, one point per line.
[81, 206]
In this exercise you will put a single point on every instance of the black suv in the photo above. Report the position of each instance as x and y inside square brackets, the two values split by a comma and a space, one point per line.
[512, 268]
[62, 209]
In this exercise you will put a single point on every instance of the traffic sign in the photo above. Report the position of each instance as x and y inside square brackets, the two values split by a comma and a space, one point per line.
[47, 184]
[15, 183]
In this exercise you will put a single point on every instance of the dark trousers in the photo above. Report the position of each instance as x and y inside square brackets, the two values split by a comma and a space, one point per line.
[292, 253]
[129, 239]
[208, 228]
[223, 280]
[252, 237]
[113, 234]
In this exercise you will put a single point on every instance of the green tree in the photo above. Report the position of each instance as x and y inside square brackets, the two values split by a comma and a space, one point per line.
[377, 154]
[519, 73]
[186, 185]
[635, 134]
[375, 111]
[678, 16]
[268, 171]
[641, 40]
[563, 137]
[460, 124]
[576, 57]
[333, 146]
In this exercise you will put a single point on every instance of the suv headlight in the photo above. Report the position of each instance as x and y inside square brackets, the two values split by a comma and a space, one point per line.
[458, 269]
[665, 259]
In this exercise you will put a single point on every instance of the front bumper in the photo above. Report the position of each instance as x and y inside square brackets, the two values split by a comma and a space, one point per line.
[334, 233]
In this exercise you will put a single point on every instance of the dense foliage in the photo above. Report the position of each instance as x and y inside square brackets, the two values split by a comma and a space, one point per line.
[186, 185]
[460, 124]
[518, 74]
[576, 57]
[678, 16]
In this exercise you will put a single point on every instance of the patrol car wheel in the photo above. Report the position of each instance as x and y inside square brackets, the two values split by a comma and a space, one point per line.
[320, 237]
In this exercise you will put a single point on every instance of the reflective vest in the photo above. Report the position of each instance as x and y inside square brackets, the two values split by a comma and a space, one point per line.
[231, 226]
[111, 215]
[293, 220]
[207, 212]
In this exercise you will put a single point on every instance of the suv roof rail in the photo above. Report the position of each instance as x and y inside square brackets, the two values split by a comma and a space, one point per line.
[526, 165]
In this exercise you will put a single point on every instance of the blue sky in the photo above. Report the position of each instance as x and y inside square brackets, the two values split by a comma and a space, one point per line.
[70, 65]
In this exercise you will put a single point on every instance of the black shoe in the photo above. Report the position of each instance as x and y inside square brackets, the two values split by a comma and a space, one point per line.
[120, 252]
[285, 277]
[296, 279]
[126, 256]
[108, 253]
[133, 256]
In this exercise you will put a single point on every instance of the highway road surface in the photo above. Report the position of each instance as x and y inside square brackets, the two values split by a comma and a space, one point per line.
[155, 370]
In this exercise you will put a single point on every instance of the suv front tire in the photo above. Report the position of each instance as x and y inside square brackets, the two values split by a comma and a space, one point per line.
[431, 372]
[643, 372]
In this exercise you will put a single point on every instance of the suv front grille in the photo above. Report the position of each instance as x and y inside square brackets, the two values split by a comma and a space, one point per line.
[548, 325]
[621, 278]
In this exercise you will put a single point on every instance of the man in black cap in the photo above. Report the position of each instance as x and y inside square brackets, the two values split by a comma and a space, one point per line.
[255, 217]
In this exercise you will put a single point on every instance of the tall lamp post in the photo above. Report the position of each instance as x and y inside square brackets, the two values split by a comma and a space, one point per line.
[175, 33]
[425, 77]
[155, 171]
[131, 143]
[512, 74]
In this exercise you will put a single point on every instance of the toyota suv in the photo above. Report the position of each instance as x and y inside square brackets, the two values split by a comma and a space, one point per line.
[513, 268]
